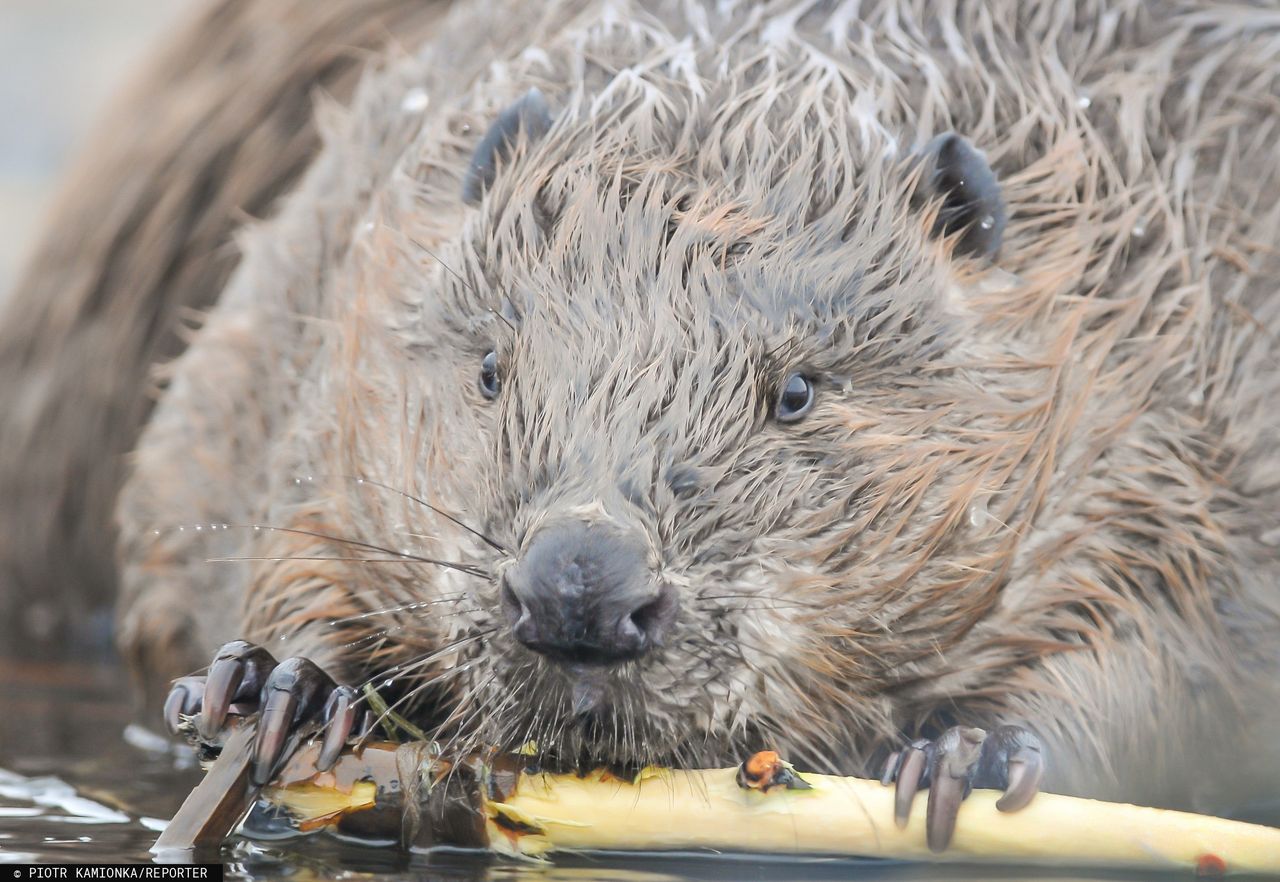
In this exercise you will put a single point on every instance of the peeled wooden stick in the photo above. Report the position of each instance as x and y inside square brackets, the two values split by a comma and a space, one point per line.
[517, 813]
[212, 810]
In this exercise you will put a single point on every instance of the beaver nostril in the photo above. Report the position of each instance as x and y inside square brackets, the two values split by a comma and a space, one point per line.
[651, 622]
[514, 611]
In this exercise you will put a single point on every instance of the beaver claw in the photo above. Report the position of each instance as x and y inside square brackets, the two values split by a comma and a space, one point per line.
[295, 693]
[1008, 759]
[288, 694]
[238, 673]
[183, 700]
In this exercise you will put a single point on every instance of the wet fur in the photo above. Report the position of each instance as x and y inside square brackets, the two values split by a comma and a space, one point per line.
[1042, 491]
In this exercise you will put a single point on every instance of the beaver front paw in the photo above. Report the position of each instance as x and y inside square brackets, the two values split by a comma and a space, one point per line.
[1009, 759]
[287, 695]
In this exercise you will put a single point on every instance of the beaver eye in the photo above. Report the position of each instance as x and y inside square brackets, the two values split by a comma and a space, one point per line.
[490, 382]
[795, 400]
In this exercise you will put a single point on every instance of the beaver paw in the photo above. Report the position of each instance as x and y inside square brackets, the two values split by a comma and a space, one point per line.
[288, 695]
[1008, 758]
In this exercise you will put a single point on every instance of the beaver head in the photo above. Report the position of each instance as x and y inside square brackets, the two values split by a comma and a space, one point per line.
[699, 379]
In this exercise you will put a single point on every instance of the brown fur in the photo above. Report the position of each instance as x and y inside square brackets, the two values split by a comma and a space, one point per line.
[1045, 491]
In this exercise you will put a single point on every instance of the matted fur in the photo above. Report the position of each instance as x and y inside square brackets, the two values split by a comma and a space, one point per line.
[1042, 491]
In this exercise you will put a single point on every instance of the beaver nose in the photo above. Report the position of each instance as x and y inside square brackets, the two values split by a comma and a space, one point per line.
[584, 593]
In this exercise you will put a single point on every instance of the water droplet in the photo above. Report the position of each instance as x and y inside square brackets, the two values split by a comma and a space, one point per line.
[987, 222]
[1139, 229]
[415, 100]
[1195, 397]
[155, 532]
[978, 513]
[1083, 102]
[359, 480]
[197, 528]
[180, 529]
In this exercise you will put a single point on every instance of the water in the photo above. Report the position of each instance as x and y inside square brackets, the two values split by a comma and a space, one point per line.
[78, 784]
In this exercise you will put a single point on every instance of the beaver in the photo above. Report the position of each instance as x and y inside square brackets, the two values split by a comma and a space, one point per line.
[890, 384]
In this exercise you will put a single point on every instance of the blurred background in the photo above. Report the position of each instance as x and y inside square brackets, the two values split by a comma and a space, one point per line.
[60, 61]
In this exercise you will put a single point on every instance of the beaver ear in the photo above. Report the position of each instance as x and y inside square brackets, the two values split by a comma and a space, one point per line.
[972, 207]
[529, 115]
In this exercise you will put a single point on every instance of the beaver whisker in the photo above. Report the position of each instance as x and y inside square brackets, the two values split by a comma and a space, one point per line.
[472, 736]
[369, 638]
[470, 287]
[414, 692]
[633, 714]
[465, 735]
[482, 737]
[801, 692]
[747, 595]
[403, 607]
[409, 672]
[550, 732]
[409, 699]
[766, 606]
[734, 641]
[535, 716]
[463, 705]
[708, 661]
[806, 736]
[420, 684]
[552, 739]
[315, 534]
[407, 668]
[405, 559]
[790, 342]
[736, 638]
[436, 257]
[385, 632]
[619, 716]
[670, 670]
[491, 542]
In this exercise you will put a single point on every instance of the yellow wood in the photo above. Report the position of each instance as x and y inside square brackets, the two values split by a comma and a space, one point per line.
[706, 809]
[848, 816]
